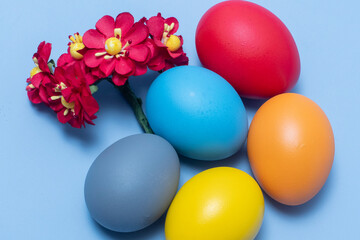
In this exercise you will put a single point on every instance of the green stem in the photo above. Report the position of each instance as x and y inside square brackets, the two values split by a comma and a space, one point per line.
[136, 105]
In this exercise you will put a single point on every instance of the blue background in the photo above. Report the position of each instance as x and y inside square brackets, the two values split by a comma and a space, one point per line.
[43, 163]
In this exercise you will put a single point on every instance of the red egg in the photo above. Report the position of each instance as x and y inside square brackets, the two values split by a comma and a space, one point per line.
[250, 47]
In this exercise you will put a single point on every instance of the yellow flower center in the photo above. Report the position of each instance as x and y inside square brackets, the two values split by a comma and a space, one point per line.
[113, 46]
[74, 48]
[34, 71]
[76, 45]
[173, 43]
[66, 104]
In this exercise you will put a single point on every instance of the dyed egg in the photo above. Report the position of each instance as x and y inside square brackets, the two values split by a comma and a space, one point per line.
[198, 112]
[132, 182]
[220, 203]
[291, 148]
[250, 47]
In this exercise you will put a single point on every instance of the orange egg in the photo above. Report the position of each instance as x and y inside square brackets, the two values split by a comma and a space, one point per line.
[291, 148]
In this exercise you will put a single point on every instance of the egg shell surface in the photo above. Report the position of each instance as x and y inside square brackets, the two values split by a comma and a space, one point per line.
[219, 203]
[250, 47]
[291, 148]
[198, 112]
[132, 182]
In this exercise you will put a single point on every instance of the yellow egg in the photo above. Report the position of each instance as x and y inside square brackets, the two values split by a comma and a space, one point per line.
[221, 203]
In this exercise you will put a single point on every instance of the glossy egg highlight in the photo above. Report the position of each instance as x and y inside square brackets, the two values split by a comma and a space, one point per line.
[132, 182]
[291, 148]
[198, 112]
[250, 47]
[220, 203]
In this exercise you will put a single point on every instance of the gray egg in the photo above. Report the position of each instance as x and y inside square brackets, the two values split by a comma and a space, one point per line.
[132, 182]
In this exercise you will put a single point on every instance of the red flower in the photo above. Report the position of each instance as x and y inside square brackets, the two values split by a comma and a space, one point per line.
[168, 51]
[41, 75]
[75, 53]
[118, 47]
[71, 97]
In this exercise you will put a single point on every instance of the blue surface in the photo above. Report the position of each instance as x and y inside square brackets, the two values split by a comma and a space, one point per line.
[43, 164]
[198, 112]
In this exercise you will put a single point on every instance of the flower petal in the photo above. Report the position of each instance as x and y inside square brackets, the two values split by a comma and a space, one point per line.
[179, 61]
[90, 105]
[44, 50]
[140, 69]
[139, 53]
[168, 65]
[67, 93]
[156, 26]
[88, 119]
[119, 80]
[64, 59]
[41, 45]
[55, 105]
[34, 96]
[108, 66]
[59, 74]
[47, 79]
[170, 21]
[79, 70]
[124, 66]
[97, 74]
[90, 78]
[63, 118]
[182, 60]
[70, 77]
[91, 60]
[106, 26]
[37, 79]
[124, 21]
[94, 39]
[152, 47]
[43, 65]
[43, 95]
[177, 53]
[75, 122]
[137, 34]
[159, 43]
[157, 63]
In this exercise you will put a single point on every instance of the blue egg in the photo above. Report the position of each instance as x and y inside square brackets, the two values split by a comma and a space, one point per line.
[132, 182]
[198, 112]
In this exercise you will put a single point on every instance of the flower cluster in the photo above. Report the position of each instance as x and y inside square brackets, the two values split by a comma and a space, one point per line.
[115, 50]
